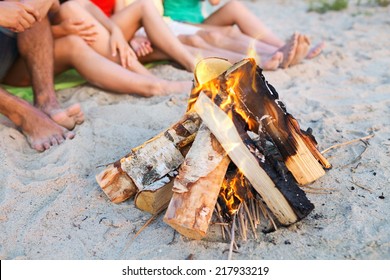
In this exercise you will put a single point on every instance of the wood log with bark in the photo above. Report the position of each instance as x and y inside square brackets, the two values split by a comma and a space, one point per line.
[277, 194]
[258, 102]
[149, 163]
[227, 104]
[197, 186]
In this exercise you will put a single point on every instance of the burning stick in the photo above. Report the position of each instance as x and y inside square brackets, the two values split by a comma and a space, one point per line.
[247, 161]
[150, 162]
[258, 103]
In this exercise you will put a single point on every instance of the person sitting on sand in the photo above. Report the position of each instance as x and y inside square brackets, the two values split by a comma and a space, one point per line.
[186, 33]
[74, 51]
[119, 29]
[218, 41]
[233, 26]
[166, 45]
[25, 32]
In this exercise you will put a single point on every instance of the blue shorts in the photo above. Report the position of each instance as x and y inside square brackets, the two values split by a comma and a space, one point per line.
[8, 51]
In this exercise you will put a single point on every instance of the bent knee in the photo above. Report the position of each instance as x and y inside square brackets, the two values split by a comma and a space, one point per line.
[211, 35]
[234, 5]
[70, 7]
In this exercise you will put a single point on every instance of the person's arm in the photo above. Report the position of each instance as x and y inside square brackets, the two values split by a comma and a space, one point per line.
[17, 16]
[44, 6]
[118, 43]
[77, 27]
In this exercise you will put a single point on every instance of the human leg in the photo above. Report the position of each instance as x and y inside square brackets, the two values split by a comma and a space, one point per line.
[72, 51]
[36, 50]
[144, 13]
[200, 48]
[101, 44]
[41, 132]
[236, 13]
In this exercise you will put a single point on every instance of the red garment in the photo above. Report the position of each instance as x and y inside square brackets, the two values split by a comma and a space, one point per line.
[107, 6]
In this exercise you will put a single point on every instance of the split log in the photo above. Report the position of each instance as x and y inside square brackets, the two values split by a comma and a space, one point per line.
[197, 186]
[258, 103]
[286, 201]
[149, 162]
[156, 196]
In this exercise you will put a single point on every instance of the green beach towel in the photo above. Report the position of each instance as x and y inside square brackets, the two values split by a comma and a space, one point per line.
[68, 79]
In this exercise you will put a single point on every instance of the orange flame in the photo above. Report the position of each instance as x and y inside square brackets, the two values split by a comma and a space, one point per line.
[226, 87]
[230, 192]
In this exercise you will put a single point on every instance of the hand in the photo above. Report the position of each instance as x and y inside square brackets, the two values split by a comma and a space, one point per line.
[44, 6]
[141, 46]
[81, 28]
[17, 16]
[120, 45]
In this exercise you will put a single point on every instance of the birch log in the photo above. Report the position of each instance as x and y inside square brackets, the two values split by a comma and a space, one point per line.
[196, 187]
[149, 162]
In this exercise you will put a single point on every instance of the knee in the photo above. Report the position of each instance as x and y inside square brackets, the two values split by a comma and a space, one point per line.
[72, 45]
[230, 30]
[234, 5]
[70, 8]
[195, 40]
[212, 36]
[146, 4]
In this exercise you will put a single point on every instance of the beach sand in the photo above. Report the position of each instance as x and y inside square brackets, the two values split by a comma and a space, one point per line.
[52, 208]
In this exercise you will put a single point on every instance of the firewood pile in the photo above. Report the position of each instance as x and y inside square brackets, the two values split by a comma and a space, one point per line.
[236, 155]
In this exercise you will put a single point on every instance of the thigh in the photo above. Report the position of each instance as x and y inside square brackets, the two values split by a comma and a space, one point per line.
[8, 51]
[73, 10]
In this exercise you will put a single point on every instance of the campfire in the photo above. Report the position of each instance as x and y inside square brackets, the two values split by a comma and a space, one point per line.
[236, 154]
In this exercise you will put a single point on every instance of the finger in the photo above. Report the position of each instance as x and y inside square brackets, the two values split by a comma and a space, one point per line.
[124, 57]
[88, 33]
[89, 40]
[32, 11]
[113, 47]
[129, 59]
[143, 52]
[86, 26]
[18, 28]
[24, 23]
[29, 18]
[76, 21]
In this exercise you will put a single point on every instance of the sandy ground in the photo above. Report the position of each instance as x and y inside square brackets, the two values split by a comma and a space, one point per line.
[52, 208]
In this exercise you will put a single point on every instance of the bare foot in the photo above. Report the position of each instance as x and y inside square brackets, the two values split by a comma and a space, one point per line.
[141, 46]
[302, 49]
[273, 62]
[289, 50]
[316, 50]
[68, 118]
[178, 87]
[41, 132]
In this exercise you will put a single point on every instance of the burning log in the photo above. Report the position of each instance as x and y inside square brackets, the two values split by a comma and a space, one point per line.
[258, 103]
[149, 162]
[230, 100]
[285, 207]
[197, 186]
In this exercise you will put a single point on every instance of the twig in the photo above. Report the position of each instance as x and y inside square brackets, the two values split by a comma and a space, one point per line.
[360, 186]
[148, 222]
[250, 217]
[347, 143]
[232, 238]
